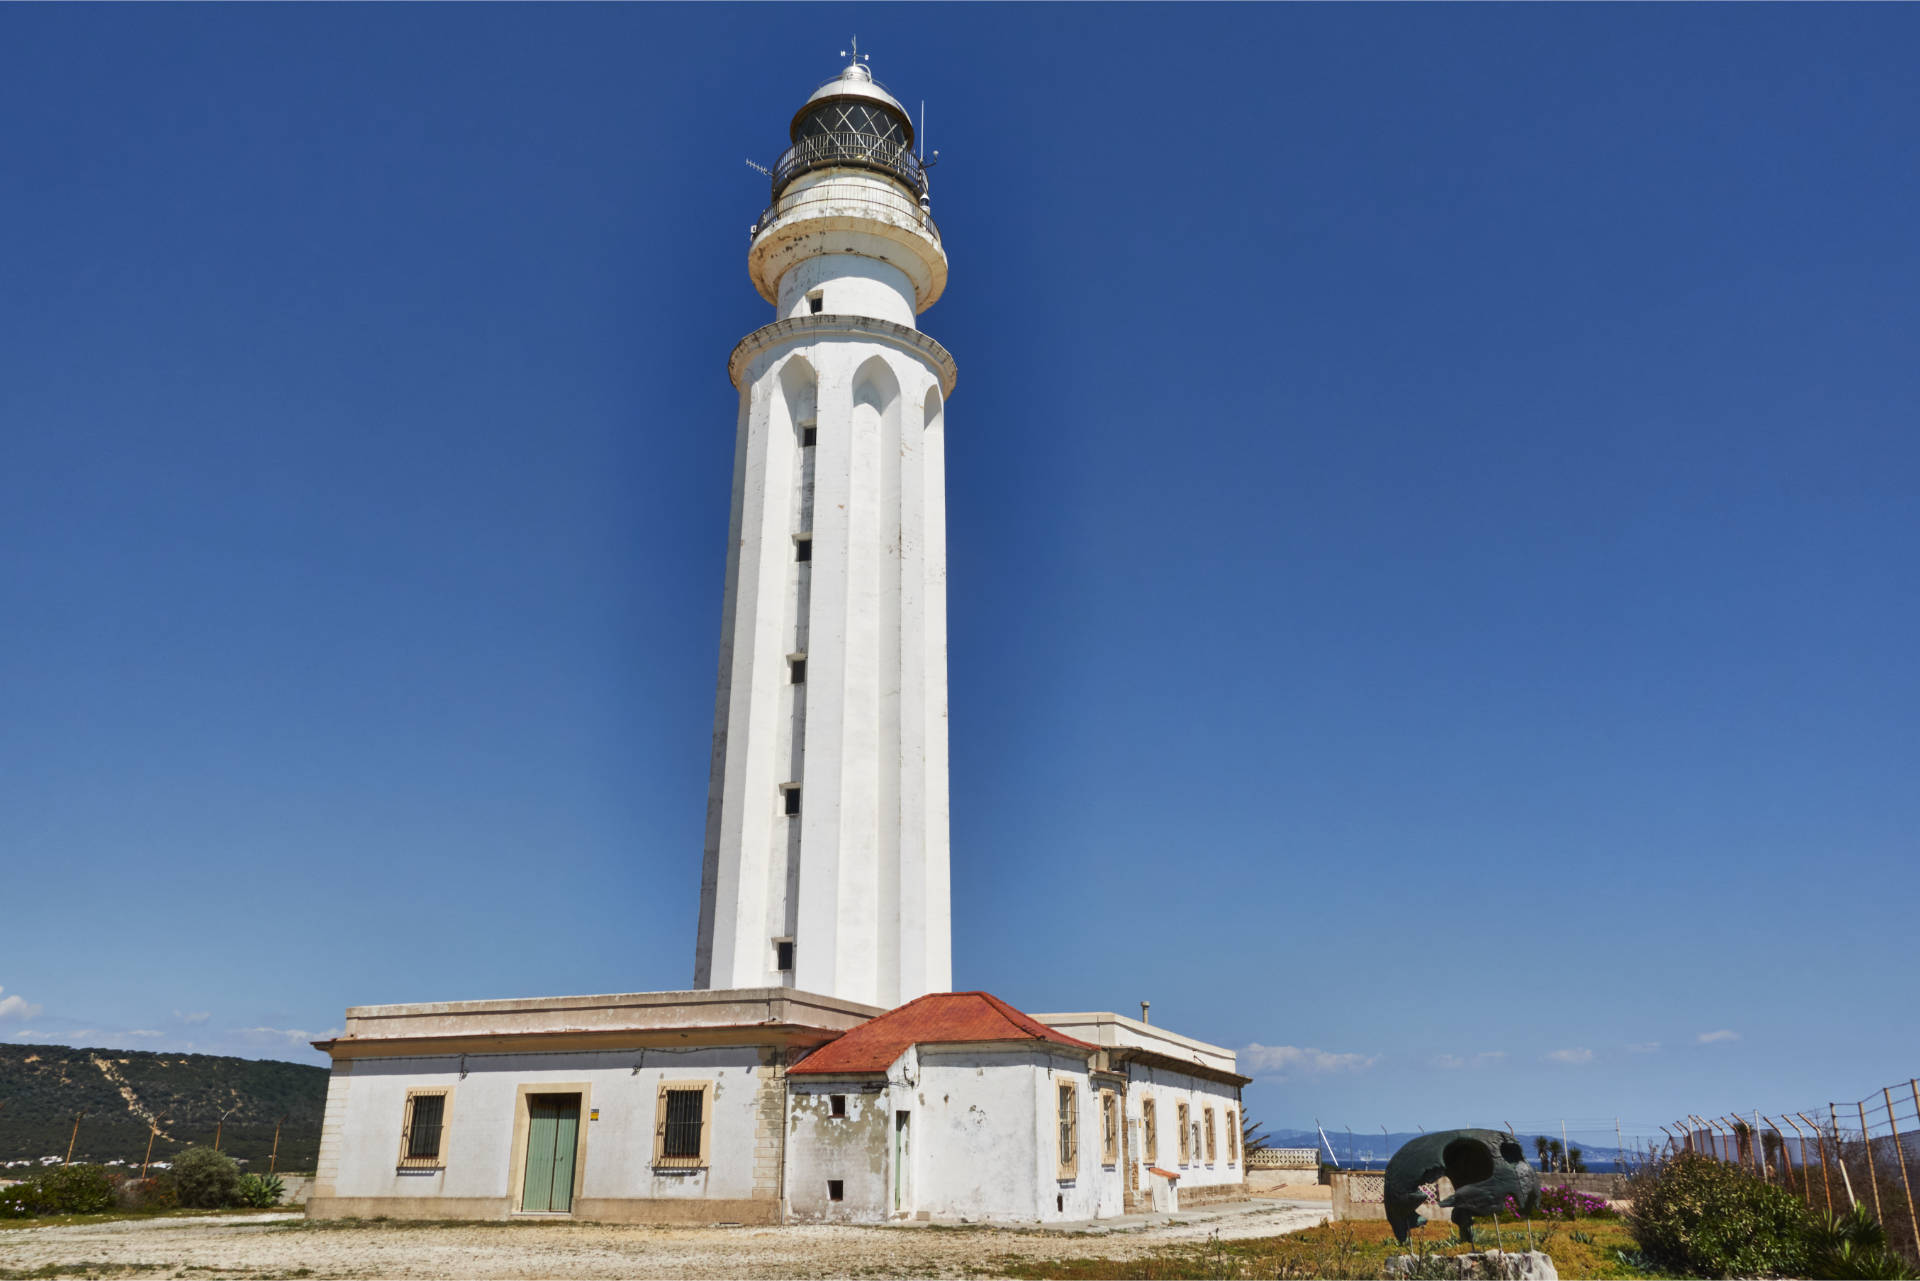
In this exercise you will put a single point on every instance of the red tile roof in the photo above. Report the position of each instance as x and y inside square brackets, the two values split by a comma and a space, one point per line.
[939, 1018]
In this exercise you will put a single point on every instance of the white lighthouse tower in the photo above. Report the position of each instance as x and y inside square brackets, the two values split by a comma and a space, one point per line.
[825, 866]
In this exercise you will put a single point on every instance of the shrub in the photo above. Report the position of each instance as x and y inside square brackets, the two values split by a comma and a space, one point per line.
[1563, 1202]
[21, 1200]
[75, 1189]
[261, 1190]
[63, 1189]
[205, 1179]
[1853, 1246]
[156, 1193]
[1703, 1217]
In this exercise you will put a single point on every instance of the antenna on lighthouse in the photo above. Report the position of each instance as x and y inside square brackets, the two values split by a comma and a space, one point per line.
[761, 168]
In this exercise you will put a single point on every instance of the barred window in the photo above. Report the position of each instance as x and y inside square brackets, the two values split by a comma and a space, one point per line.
[681, 1138]
[1233, 1136]
[1149, 1133]
[1212, 1152]
[1069, 1131]
[423, 1130]
[1109, 1127]
[1186, 1136]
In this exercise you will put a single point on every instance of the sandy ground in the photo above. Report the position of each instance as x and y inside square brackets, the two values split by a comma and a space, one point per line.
[282, 1246]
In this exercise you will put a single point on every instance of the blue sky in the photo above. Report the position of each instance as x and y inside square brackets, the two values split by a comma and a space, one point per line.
[1432, 518]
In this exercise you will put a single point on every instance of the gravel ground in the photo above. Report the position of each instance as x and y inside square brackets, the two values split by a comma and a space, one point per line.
[289, 1246]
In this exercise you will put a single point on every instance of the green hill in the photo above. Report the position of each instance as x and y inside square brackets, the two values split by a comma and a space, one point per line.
[122, 1091]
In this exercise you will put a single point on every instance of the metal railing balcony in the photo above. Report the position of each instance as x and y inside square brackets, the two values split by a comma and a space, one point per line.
[889, 156]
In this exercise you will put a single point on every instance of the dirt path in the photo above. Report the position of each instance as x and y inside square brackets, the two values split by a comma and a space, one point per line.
[290, 1247]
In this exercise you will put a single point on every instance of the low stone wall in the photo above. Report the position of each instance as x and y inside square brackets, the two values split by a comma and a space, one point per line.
[1610, 1186]
[1284, 1159]
[1259, 1180]
[1361, 1194]
[1190, 1197]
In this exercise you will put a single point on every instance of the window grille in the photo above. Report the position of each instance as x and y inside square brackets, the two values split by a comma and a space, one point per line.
[1149, 1132]
[1211, 1150]
[422, 1130]
[680, 1131]
[1109, 1127]
[1186, 1137]
[1069, 1132]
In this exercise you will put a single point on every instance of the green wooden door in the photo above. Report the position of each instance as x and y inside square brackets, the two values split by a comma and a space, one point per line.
[553, 1128]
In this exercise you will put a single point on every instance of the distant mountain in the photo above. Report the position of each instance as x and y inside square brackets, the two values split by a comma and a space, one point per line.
[122, 1091]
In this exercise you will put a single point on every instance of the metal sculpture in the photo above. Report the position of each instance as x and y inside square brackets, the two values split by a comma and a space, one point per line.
[1487, 1167]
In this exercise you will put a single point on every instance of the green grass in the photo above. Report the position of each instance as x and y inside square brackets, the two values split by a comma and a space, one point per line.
[102, 1269]
[114, 1216]
[1348, 1250]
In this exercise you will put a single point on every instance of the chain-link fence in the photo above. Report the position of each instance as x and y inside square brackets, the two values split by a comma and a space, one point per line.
[1834, 1155]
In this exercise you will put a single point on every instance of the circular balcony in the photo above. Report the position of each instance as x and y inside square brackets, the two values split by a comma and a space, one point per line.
[892, 156]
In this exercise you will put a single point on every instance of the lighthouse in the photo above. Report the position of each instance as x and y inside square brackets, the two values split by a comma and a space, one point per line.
[825, 866]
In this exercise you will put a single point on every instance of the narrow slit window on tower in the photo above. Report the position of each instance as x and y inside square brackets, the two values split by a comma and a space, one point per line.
[836, 1189]
[797, 669]
[816, 302]
[803, 548]
[790, 796]
[783, 955]
[809, 436]
[837, 1104]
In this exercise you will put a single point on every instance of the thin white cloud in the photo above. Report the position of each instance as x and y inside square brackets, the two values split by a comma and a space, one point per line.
[283, 1038]
[26, 1032]
[1722, 1034]
[1571, 1056]
[193, 1016]
[1453, 1061]
[1284, 1060]
[17, 1007]
[1644, 1047]
[145, 1031]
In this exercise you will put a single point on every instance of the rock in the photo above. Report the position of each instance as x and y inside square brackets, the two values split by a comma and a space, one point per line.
[1484, 1265]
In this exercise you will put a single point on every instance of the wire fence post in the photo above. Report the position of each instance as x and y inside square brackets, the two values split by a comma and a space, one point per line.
[1806, 1170]
[1820, 1142]
[1786, 1162]
[1866, 1141]
[1840, 1156]
[1900, 1155]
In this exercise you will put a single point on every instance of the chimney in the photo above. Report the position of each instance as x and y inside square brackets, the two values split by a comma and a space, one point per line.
[1144, 1007]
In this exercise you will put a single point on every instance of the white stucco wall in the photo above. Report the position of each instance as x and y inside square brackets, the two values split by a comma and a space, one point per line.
[1170, 1088]
[859, 878]
[848, 284]
[855, 1149]
[980, 1141]
[367, 1103]
[989, 1117]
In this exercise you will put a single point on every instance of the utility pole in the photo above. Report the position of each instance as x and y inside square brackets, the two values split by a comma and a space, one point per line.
[147, 1160]
[221, 1124]
[275, 1154]
[74, 1138]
